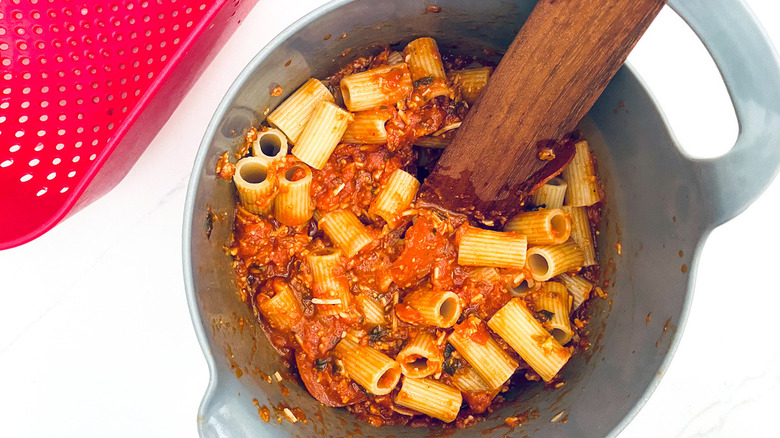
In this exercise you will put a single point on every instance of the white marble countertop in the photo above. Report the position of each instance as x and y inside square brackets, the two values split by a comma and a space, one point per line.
[96, 338]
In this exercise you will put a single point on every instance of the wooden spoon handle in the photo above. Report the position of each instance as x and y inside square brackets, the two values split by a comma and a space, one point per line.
[555, 69]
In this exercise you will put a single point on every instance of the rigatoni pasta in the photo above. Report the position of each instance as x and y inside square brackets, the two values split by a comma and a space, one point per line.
[368, 127]
[373, 311]
[541, 227]
[293, 205]
[394, 58]
[256, 184]
[291, 116]
[321, 134]
[395, 197]
[578, 287]
[371, 369]
[474, 389]
[346, 231]
[437, 308]
[486, 274]
[551, 194]
[362, 284]
[580, 233]
[475, 344]
[420, 357]
[282, 310]
[480, 247]
[553, 298]
[424, 59]
[430, 397]
[433, 142]
[270, 144]
[471, 81]
[518, 327]
[580, 175]
[330, 290]
[467, 379]
[545, 262]
[376, 87]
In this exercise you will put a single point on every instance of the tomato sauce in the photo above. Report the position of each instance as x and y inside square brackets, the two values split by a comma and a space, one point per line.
[418, 256]
[353, 175]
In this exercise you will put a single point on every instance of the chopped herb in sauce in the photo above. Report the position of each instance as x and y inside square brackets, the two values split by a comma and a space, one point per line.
[377, 333]
[448, 349]
[321, 363]
[418, 255]
[451, 363]
[543, 315]
[209, 223]
[428, 80]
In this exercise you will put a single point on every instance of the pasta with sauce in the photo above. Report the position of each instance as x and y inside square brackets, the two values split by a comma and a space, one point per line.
[379, 301]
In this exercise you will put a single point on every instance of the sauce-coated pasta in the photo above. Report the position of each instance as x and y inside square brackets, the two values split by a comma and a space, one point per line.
[378, 301]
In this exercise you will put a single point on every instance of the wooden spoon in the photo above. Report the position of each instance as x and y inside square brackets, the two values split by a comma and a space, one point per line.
[552, 74]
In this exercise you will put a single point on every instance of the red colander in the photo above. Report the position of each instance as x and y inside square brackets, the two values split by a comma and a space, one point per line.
[84, 88]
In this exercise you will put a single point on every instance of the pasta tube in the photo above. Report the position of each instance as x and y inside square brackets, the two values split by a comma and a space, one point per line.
[541, 227]
[373, 311]
[368, 127]
[321, 134]
[270, 144]
[580, 175]
[420, 357]
[369, 367]
[331, 289]
[468, 380]
[376, 87]
[475, 390]
[440, 309]
[524, 286]
[480, 247]
[578, 287]
[581, 233]
[256, 184]
[545, 262]
[346, 231]
[551, 194]
[429, 141]
[486, 274]
[395, 197]
[518, 327]
[291, 116]
[283, 310]
[293, 205]
[471, 81]
[475, 344]
[395, 58]
[430, 397]
[554, 298]
[424, 60]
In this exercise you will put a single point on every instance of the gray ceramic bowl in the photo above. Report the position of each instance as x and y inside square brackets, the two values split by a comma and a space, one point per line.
[660, 202]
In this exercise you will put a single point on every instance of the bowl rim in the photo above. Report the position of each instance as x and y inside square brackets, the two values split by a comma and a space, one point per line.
[213, 390]
[192, 188]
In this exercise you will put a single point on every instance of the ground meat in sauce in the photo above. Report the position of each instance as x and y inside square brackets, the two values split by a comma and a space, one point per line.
[353, 175]
[331, 388]
[419, 255]
[225, 169]
[427, 246]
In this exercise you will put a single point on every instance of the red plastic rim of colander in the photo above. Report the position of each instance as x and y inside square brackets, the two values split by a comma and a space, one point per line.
[74, 76]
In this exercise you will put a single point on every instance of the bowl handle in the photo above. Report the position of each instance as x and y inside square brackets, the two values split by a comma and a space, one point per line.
[751, 72]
